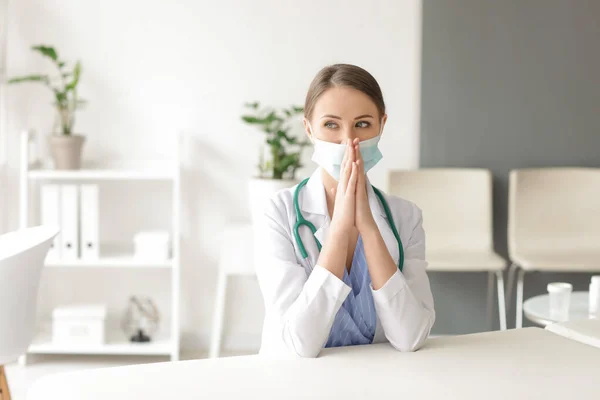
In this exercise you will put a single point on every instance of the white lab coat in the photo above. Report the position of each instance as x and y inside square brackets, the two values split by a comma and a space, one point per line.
[302, 298]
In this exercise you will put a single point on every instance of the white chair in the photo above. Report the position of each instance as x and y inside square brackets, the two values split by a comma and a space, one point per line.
[22, 255]
[457, 218]
[553, 223]
[236, 258]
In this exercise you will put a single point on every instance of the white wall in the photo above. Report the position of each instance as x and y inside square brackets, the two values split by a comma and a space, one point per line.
[3, 133]
[152, 68]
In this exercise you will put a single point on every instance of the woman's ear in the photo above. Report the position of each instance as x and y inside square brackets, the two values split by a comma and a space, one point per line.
[307, 128]
[383, 121]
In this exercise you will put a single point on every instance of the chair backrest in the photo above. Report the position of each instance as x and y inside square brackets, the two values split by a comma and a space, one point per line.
[456, 204]
[554, 210]
[22, 255]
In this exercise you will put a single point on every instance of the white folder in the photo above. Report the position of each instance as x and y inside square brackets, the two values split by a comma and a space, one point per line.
[50, 215]
[89, 222]
[69, 218]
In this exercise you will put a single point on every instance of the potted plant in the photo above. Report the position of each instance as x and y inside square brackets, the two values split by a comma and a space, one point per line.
[65, 145]
[278, 170]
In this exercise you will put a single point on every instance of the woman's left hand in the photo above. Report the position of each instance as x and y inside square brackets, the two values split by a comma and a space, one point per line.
[364, 217]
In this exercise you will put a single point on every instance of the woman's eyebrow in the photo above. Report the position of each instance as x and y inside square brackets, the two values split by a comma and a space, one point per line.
[336, 117]
[331, 116]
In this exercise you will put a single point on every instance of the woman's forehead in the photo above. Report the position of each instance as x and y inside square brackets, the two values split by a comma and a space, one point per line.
[344, 102]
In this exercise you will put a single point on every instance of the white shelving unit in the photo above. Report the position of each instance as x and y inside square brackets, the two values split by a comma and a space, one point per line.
[115, 345]
[164, 171]
[110, 261]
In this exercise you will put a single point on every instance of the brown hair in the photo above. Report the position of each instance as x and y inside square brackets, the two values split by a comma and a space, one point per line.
[343, 75]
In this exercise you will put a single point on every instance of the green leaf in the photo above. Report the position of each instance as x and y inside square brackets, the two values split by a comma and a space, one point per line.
[47, 51]
[284, 134]
[281, 134]
[251, 120]
[254, 105]
[61, 98]
[271, 117]
[76, 74]
[298, 109]
[274, 143]
[290, 160]
[61, 64]
[30, 78]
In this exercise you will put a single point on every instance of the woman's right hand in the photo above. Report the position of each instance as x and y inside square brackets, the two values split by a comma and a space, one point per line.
[333, 254]
[343, 218]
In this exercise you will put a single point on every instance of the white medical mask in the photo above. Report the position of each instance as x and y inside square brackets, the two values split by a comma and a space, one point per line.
[329, 156]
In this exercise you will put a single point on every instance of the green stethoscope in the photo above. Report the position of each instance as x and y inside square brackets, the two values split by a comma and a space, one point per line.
[300, 221]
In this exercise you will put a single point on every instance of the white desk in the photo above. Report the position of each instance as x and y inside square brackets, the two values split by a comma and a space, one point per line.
[525, 363]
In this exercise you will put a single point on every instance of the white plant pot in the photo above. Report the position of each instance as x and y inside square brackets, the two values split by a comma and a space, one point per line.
[66, 150]
[260, 192]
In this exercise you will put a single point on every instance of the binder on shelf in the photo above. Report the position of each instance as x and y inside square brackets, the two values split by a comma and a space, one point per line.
[89, 222]
[69, 218]
[50, 208]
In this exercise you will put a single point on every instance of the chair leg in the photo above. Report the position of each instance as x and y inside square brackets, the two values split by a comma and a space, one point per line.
[4, 392]
[509, 284]
[520, 284]
[501, 300]
[490, 300]
[218, 316]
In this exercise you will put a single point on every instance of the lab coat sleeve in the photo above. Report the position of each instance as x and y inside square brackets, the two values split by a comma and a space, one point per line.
[303, 305]
[404, 303]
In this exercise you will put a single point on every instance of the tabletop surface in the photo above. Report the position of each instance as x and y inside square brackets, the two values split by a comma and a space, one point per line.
[584, 330]
[518, 363]
[537, 309]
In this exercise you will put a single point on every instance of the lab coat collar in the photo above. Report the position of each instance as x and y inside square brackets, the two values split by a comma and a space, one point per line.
[374, 203]
[312, 198]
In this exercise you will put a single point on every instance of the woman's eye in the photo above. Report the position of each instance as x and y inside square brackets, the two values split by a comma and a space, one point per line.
[330, 125]
[362, 124]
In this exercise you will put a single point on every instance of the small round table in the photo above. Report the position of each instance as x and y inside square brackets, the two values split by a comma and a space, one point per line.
[537, 309]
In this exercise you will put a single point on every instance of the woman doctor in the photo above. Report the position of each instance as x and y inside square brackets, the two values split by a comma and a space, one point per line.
[360, 277]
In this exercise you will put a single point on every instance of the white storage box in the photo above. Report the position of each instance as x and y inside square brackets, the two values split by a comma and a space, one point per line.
[79, 325]
[152, 246]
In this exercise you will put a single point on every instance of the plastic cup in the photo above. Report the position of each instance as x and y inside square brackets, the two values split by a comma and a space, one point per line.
[594, 297]
[560, 300]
